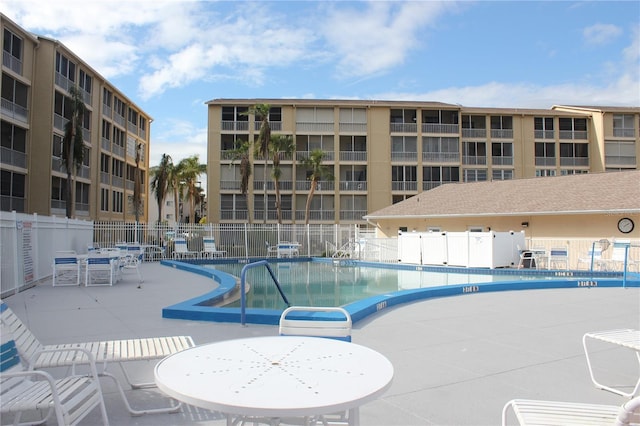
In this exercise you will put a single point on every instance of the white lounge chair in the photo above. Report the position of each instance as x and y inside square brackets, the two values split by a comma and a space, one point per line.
[626, 338]
[593, 258]
[535, 412]
[301, 321]
[104, 352]
[619, 254]
[181, 251]
[24, 390]
[209, 250]
[132, 260]
[66, 268]
[271, 250]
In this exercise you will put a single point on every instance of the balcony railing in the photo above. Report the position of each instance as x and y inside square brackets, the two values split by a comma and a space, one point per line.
[84, 172]
[86, 96]
[13, 110]
[59, 122]
[404, 156]
[574, 161]
[234, 214]
[501, 133]
[56, 165]
[353, 127]
[117, 150]
[544, 134]
[403, 128]
[474, 133]
[11, 62]
[106, 144]
[304, 127]
[573, 134]
[117, 181]
[352, 214]
[404, 186]
[13, 158]
[230, 185]
[441, 157]
[316, 215]
[305, 185]
[63, 81]
[9, 203]
[301, 155]
[502, 161]
[545, 161]
[430, 185]
[624, 133]
[440, 128]
[235, 126]
[275, 126]
[105, 178]
[619, 160]
[353, 185]
[106, 110]
[474, 159]
[132, 128]
[86, 135]
[119, 119]
[353, 155]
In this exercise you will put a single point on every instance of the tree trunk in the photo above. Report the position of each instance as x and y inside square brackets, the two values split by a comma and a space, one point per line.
[309, 198]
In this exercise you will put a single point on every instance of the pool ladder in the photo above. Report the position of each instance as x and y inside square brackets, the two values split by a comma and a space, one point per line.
[243, 296]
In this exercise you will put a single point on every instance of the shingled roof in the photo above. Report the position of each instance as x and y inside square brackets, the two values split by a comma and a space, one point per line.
[612, 192]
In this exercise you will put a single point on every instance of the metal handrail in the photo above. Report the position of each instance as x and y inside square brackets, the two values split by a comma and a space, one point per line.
[243, 297]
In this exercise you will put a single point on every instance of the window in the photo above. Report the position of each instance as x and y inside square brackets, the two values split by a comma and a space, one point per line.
[440, 149]
[312, 142]
[623, 126]
[275, 114]
[474, 153]
[104, 199]
[572, 128]
[438, 116]
[57, 146]
[14, 91]
[404, 148]
[106, 130]
[545, 153]
[406, 116]
[58, 192]
[65, 67]
[133, 116]
[574, 154]
[502, 153]
[543, 127]
[85, 81]
[353, 115]
[82, 196]
[117, 168]
[502, 174]
[434, 176]
[118, 200]
[12, 44]
[233, 207]
[501, 126]
[620, 153]
[545, 172]
[105, 160]
[13, 138]
[474, 122]
[475, 175]
[12, 190]
[107, 97]
[119, 106]
[404, 178]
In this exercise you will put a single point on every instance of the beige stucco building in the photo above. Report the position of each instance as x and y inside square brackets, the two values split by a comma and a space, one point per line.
[384, 152]
[37, 73]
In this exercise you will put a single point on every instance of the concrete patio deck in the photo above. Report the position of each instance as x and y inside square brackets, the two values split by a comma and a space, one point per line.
[457, 360]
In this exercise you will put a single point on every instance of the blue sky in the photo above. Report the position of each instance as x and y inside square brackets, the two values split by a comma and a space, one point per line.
[171, 56]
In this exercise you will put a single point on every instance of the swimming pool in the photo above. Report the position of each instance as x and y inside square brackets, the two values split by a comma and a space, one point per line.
[361, 288]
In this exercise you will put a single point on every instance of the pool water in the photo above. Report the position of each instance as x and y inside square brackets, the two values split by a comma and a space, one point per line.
[327, 284]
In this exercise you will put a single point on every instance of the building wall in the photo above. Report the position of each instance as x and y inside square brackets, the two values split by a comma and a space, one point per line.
[521, 134]
[42, 123]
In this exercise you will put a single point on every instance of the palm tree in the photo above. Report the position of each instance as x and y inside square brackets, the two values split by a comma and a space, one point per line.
[137, 196]
[281, 145]
[241, 152]
[160, 181]
[173, 184]
[319, 172]
[190, 170]
[72, 144]
[261, 112]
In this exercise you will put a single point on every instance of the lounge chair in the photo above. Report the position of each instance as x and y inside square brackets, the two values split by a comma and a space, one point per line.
[592, 259]
[619, 255]
[559, 258]
[536, 412]
[23, 389]
[625, 338]
[102, 268]
[104, 352]
[132, 260]
[271, 250]
[210, 251]
[181, 251]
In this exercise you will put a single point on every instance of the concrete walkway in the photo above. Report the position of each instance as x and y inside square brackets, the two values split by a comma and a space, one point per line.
[457, 360]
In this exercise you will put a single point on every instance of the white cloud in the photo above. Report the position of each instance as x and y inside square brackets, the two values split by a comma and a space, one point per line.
[600, 34]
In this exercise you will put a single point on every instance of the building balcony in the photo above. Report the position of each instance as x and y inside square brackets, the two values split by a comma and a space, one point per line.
[353, 185]
[13, 110]
[474, 133]
[620, 161]
[474, 160]
[404, 156]
[404, 186]
[353, 127]
[573, 134]
[311, 127]
[242, 215]
[450, 129]
[624, 133]
[302, 155]
[544, 134]
[352, 214]
[403, 127]
[11, 62]
[305, 185]
[13, 158]
[502, 161]
[546, 161]
[353, 156]
[441, 157]
[235, 126]
[574, 161]
[501, 133]
[316, 215]
[276, 126]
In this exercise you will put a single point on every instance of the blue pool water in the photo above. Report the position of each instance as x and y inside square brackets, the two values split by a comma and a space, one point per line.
[361, 288]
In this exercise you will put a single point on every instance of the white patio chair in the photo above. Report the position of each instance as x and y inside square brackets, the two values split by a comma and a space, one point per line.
[181, 251]
[618, 252]
[271, 250]
[132, 260]
[626, 338]
[209, 250]
[66, 268]
[104, 352]
[24, 390]
[535, 412]
[594, 256]
[102, 268]
[558, 258]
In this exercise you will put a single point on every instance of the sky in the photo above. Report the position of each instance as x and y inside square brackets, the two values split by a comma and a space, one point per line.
[172, 56]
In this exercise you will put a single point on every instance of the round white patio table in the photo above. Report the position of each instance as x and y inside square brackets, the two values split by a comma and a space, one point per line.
[276, 377]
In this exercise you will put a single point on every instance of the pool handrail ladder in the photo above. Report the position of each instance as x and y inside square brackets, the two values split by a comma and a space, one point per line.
[243, 295]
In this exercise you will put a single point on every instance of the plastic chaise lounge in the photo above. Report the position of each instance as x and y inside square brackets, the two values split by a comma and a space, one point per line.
[104, 352]
[24, 390]
[536, 412]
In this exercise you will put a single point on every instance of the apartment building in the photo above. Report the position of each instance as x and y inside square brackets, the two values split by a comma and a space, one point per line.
[383, 152]
[37, 73]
